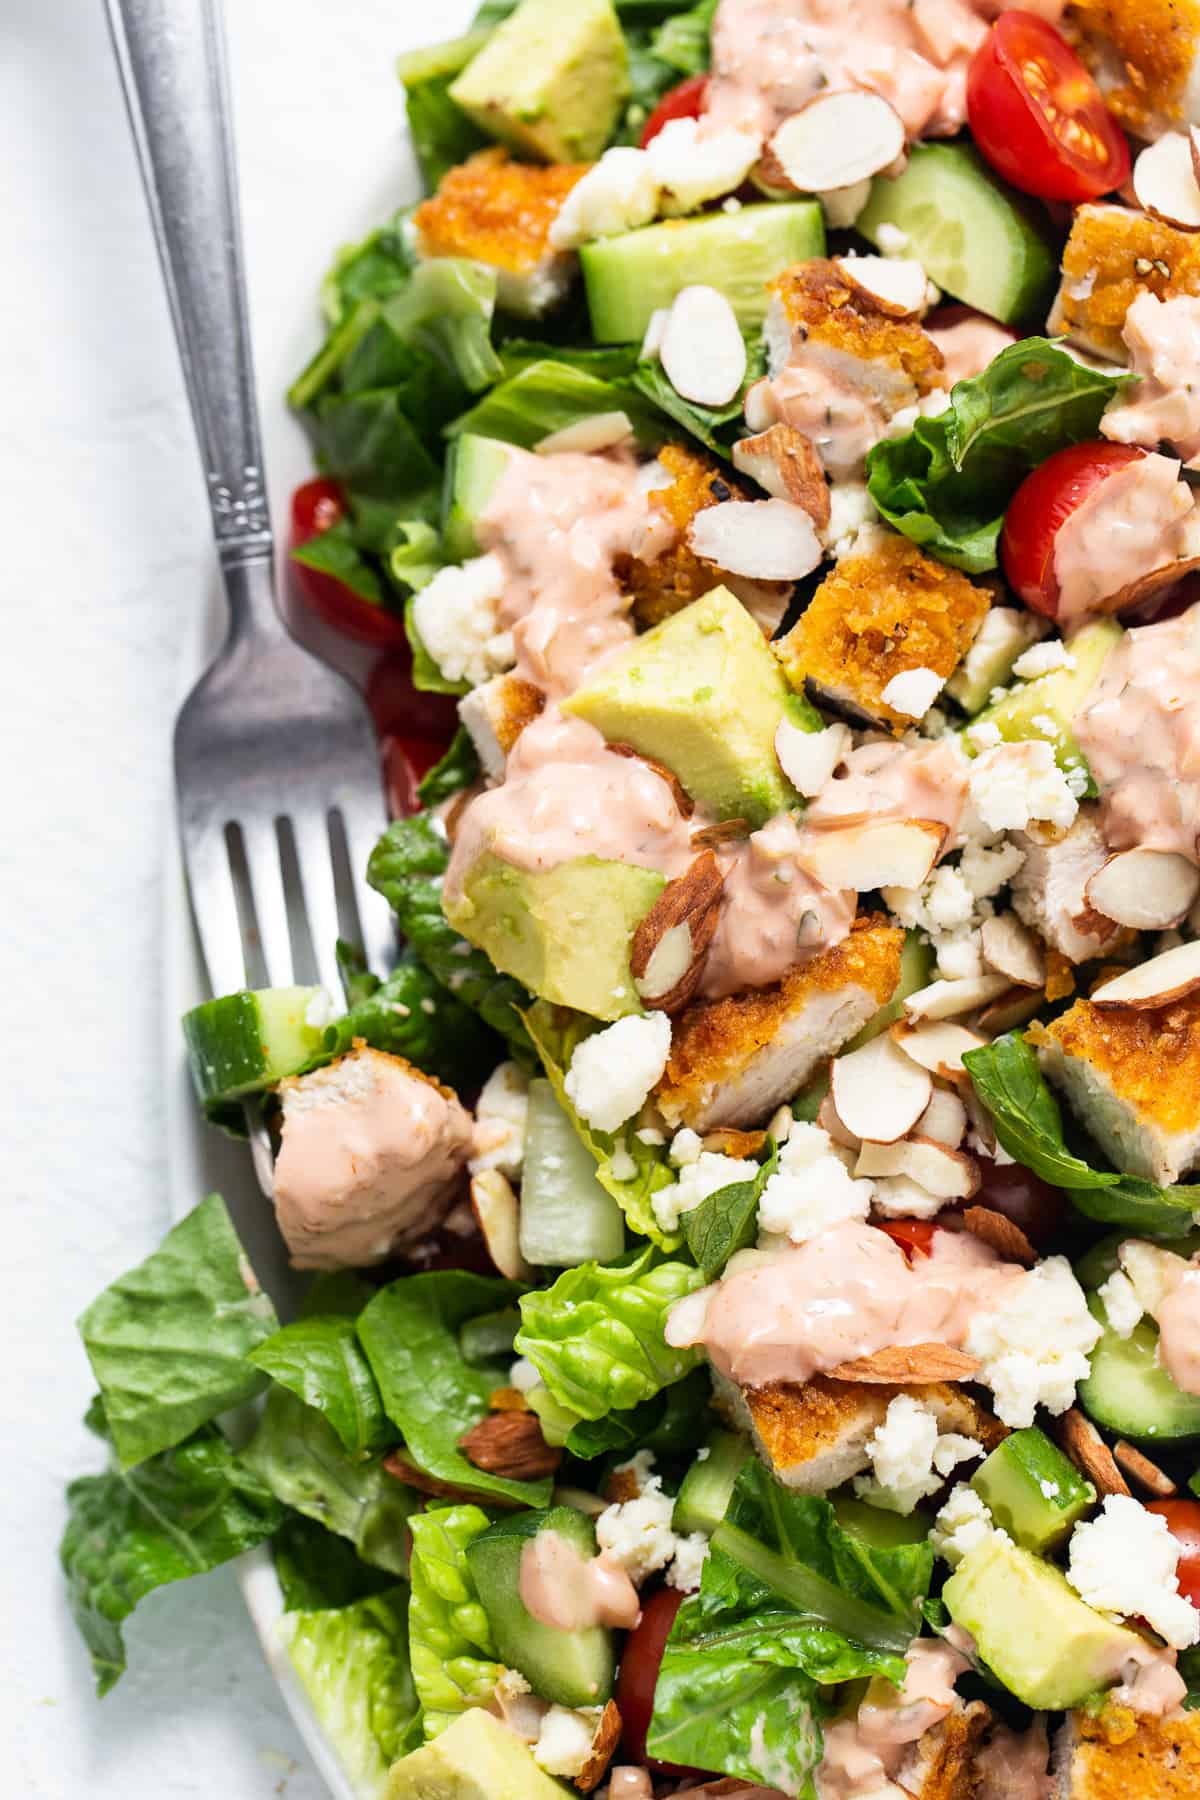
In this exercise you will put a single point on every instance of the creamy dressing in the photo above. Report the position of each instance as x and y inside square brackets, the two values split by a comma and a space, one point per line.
[843, 404]
[771, 56]
[968, 346]
[1150, 1682]
[863, 1753]
[1178, 1316]
[787, 1315]
[1163, 406]
[897, 781]
[629, 1783]
[773, 915]
[1140, 733]
[1014, 1765]
[570, 1592]
[1138, 520]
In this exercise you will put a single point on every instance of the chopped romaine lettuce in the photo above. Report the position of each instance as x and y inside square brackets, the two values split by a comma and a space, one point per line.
[727, 1220]
[320, 1360]
[318, 1569]
[412, 1015]
[353, 1664]
[450, 1639]
[456, 770]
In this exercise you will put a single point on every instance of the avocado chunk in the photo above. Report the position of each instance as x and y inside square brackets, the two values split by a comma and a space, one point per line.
[475, 1758]
[1032, 1628]
[473, 469]
[629, 277]
[702, 695]
[1058, 697]
[551, 80]
[244, 1043]
[565, 932]
[1032, 1491]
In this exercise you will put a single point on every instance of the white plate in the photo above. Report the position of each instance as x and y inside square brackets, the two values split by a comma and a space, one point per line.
[322, 160]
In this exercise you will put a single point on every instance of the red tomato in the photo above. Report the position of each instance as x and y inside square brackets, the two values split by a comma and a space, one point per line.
[1038, 117]
[1042, 504]
[686, 101]
[1183, 1522]
[914, 1236]
[405, 761]
[1023, 1197]
[315, 507]
[638, 1677]
[402, 710]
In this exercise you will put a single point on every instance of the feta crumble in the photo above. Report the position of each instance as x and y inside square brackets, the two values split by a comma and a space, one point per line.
[1125, 1561]
[320, 1010]
[1041, 659]
[1034, 1347]
[984, 734]
[910, 1457]
[707, 1174]
[1122, 1308]
[687, 1564]
[690, 166]
[613, 1071]
[457, 620]
[498, 1141]
[617, 194]
[1014, 784]
[963, 1524]
[811, 1190]
[913, 692]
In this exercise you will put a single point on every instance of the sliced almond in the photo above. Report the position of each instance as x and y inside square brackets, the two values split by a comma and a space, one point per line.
[702, 350]
[944, 1119]
[1171, 976]
[499, 1215]
[898, 1197]
[1139, 1468]
[879, 1093]
[400, 1465]
[828, 1120]
[767, 540]
[726, 1141]
[1147, 586]
[622, 1486]
[1015, 1006]
[909, 1362]
[1011, 949]
[783, 461]
[896, 286]
[1148, 890]
[1000, 1234]
[727, 831]
[875, 853]
[604, 1744]
[599, 432]
[1165, 184]
[938, 1046]
[510, 1444]
[952, 999]
[947, 1174]
[839, 138]
[808, 758]
[668, 950]
[1089, 1452]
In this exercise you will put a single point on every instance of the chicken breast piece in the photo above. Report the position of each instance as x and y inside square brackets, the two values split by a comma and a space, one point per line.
[1129, 1756]
[941, 1764]
[1048, 889]
[370, 1160]
[1132, 1079]
[1145, 55]
[494, 716]
[734, 1061]
[1112, 255]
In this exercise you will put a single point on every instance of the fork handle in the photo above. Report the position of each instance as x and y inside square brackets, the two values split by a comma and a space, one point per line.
[171, 57]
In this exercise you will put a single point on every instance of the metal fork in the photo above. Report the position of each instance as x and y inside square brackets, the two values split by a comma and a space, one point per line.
[276, 767]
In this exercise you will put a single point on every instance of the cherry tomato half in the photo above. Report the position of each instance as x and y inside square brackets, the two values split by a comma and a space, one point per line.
[685, 101]
[401, 710]
[1032, 1204]
[1183, 1522]
[1038, 117]
[914, 1236]
[638, 1677]
[1040, 507]
[405, 761]
[316, 506]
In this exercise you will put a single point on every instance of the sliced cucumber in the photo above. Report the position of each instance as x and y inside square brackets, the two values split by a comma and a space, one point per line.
[1128, 1392]
[1032, 1491]
[571, 1668]
[972, 235]
[566, 1216]
[244, 1043]
[704, 1491]
[629, 277]
[474, 465]
[1093, 1269]
[1057, 698]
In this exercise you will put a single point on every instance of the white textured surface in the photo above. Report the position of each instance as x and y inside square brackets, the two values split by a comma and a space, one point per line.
[106, 569]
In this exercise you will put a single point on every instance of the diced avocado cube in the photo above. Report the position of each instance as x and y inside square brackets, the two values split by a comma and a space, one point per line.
[629, 277]
[702, 695]
[473, 468]
[1032, 1628]
[565, 932]
[1056, 698]
[1032, 1491]
[551, 80]
[475, 1758]
[244, 1043]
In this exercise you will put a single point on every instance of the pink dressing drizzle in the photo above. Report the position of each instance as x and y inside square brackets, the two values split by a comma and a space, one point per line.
[1178, 1316]
[1163, 338]
[897, 781]
[1136, 521]
[773, 915]
[861, 1754]
[968, 346]
[571, 1592]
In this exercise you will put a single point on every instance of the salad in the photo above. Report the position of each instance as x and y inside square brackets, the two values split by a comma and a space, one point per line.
[753, 1338]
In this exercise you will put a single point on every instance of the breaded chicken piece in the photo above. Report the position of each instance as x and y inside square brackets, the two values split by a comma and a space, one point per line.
[499, 212]
[1112, 255]
[877, 616]
[812, 303]
[941, 1764]
[1132, 1079]
[1122, 1755]
[734, 1061]
[495, 714]
[1143, 53]
[677, 577]
[1048, 888]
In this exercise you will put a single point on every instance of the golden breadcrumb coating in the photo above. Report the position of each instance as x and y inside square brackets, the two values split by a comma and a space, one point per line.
[1152, 1058]
[519, 704]
[878, 615]
[946, 1754]
[496, 210]
[1112, 255]
[1143, 50]
[677, 577]
[823, 308]
[798, 1422]
[1123, 1755]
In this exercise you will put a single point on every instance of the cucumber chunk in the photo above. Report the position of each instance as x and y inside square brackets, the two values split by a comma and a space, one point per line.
[1094, 1268]
[571, 1668]
[1129, 1393]
[1058, 697]
[1032, 1491]
[566, 1216]
[916, 972]
[629, 277]
[971, 234]
[877, 1529]
[244, 1043]
[474, 466]
[704, 1491]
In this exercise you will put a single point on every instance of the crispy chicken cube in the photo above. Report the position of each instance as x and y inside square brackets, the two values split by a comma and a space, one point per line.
[1143, 53]
[495, 714]
[941, 1764]
[815, 304]
[1112, 255]
[1048, 890]
[1118, 1754]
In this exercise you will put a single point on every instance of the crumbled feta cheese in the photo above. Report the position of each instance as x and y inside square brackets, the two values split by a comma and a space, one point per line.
[891, 241]
[1013, 784]
[910, 1457]
[621, 1165]
[948, 899]
[686, 1146]
[959, 954]
[498, 1141]
[321, 1010]
[710, 1172]
[456, 618]
[854, 525]
[962, 1525]
[1034, 1347]
[690, 165]
[1122, 1308]
[1077, 780]
[687, 1564]
[612, 1071]
[1041, 658]
[637, 1533]
[913, 692]
[617, 194]
[811, 1190]
[1045, 724]
[984, 734]
[565, 1741]
[986, 868]
[1125, 1561]
[900, 1197]
[523, 1376]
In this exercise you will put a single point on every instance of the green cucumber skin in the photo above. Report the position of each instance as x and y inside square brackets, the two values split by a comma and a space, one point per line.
[1127, 1392]
[234, 1044]
[1009, 1482]
[474, 466]
[704, 1491]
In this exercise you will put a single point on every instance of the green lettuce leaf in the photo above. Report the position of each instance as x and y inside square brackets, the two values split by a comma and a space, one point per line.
[442, 134]
[550, 395]
[673, 1422]
[450, 1639]
[414, 555]
[407, 866]
[299, 1456]
[453, 772]
[607, 362]
[320, 1360]
[358, 983]
[685, 39]
[946, 483]
[717, 428]
[353, 1665]
[410, 1334]
[318, 1569]
[168, 1342]
[335, 552]
[446, 312]
[412, 1015]
[374, 269]
[728, 1220]
[596, 1336]
[128, 1531]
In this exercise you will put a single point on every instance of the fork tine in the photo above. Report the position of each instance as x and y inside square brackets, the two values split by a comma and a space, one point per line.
[315, 863]
[364, 821]
[217, 924]
[269, 901]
